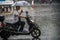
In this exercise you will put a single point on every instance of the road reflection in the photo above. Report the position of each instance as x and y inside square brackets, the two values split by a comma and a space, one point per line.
[26, 39]
[36, 39]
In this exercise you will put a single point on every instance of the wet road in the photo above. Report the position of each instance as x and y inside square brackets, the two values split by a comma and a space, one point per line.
[48, 20]
[47, 17]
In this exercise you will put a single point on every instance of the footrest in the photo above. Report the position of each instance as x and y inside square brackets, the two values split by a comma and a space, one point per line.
[24, 31]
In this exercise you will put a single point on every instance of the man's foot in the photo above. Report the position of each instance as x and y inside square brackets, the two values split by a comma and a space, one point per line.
[20, 30]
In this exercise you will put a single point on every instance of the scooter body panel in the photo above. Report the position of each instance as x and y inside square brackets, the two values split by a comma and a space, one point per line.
[19, 33]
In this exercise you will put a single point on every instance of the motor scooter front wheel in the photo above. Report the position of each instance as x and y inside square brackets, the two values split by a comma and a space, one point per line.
[36, 33]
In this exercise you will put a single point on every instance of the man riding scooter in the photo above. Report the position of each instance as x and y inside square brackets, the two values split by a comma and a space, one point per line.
[22, 23]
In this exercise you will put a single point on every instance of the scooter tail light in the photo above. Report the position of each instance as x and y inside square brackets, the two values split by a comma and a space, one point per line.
[2, 25]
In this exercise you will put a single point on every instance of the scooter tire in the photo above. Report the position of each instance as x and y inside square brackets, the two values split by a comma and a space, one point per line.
[37, 36]
[4, 34]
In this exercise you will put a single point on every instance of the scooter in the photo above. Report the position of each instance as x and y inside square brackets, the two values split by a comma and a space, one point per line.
[34, 30]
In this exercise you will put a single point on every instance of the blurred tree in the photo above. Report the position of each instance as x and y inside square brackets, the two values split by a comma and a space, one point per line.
[2, 0]
[37, 1]
[58, 1]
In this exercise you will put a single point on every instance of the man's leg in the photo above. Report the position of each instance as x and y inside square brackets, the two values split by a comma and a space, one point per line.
[22, 26]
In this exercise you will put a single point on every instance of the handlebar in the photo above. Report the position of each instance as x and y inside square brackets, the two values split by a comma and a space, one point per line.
[27, 14]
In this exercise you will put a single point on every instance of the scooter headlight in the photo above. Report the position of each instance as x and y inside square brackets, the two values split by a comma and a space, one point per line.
[32, 20]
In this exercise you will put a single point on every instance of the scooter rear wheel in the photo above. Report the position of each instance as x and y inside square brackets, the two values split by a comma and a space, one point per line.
[4, 34]
[36, 33]
[4, 39]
